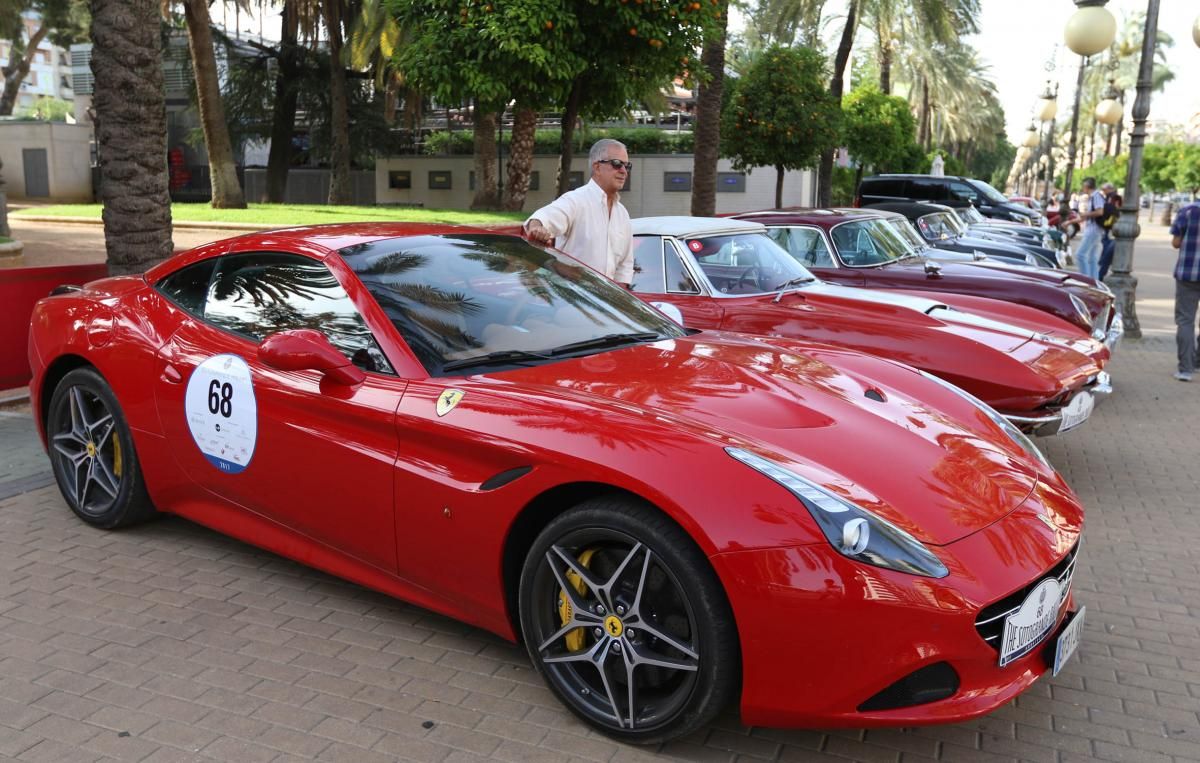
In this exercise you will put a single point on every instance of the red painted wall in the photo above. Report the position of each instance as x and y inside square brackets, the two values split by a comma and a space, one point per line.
[20, 289]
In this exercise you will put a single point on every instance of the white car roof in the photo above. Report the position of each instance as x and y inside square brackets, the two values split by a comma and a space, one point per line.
[685, 227]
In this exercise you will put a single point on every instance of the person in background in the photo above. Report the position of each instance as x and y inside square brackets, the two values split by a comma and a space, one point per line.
[1112, 211]
[1088, 253]
[590, 223]
[1185, 233]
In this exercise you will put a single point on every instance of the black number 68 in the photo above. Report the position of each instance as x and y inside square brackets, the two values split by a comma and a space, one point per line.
[223, 402]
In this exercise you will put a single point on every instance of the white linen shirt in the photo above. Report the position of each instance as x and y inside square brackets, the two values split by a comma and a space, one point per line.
[584, 229]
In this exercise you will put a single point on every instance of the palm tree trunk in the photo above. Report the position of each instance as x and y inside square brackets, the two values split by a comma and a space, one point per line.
[779, 173]
[487, 191]
[520, 161]
[17, 68]
[226, 190]
[283, 119]
[825, 172]
[339, 142]
[706, 135]
[131, 133]
[566, 148]
[923, 130]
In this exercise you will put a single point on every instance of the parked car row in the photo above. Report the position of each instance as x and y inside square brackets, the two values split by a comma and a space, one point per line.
[792, 468]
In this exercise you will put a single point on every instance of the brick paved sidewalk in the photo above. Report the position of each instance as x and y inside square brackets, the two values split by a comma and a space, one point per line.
[169, 642]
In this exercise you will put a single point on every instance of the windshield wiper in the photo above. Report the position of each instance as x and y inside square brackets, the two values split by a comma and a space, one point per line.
[496, 358]
[797, 281]
[603, 342]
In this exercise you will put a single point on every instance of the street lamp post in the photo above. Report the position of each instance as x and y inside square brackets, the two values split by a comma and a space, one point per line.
[1122, 280]
[1090, 30]
[1047, 109]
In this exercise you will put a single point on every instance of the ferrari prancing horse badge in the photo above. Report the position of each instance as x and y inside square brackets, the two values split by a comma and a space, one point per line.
[447, 400]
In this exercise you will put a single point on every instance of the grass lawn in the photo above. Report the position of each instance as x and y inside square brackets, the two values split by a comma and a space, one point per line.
[294, 214]
[5, 240]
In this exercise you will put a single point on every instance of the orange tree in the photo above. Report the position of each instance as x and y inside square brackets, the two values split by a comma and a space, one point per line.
[878, 129]
[781, 114]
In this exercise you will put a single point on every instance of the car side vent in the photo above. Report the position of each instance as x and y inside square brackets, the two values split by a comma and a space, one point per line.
[505, 477]
[928, 684]
[66, 288]
[874, 394]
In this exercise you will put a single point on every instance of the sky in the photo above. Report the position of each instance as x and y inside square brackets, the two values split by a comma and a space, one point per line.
[1019, 37]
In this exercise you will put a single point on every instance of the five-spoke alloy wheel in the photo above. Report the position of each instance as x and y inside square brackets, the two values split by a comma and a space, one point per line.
[92, 453]
[627, 622]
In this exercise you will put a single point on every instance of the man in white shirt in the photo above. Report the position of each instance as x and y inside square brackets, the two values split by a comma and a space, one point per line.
[590, 223]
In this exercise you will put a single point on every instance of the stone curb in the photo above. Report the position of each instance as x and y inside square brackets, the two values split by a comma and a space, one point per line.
[11, 249]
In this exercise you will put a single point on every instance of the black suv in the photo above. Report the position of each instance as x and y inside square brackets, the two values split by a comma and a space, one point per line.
[951, 190]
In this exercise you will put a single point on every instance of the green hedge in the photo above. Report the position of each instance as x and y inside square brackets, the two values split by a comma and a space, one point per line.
[639, 140]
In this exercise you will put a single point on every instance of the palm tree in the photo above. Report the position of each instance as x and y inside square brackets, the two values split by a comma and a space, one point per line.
[825, 171]
[283, 118]
[903, 24]
[707, 132]
[226, 189]
[131, 132]
[333, 12]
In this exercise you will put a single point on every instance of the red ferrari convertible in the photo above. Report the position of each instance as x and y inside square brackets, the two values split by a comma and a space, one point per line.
[1040, 372]
[668, 520]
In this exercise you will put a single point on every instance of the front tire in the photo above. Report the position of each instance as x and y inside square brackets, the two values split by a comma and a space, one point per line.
[91, 451]
[627, 622]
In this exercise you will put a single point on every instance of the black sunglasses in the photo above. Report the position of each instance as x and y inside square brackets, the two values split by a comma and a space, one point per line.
[617, 164]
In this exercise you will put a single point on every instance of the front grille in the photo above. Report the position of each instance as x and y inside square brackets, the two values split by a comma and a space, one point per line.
[990, 622]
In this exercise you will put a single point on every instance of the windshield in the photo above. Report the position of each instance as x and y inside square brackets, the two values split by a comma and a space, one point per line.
[906, 231]
[937, 225]
[747, 263]
[989, 193]
[459, 298]
[872, 241]
[971, 215]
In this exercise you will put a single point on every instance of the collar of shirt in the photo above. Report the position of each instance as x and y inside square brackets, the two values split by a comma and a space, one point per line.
[595, 190]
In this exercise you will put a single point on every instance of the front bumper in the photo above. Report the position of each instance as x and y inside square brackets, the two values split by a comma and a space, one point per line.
[1116, 331]
[1051, 423]
[822, 635]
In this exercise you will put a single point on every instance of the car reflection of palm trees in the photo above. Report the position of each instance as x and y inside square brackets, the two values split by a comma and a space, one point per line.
[431, 319]
[269, 283]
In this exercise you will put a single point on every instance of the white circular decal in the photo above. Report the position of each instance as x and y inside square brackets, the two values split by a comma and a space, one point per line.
[221, 413]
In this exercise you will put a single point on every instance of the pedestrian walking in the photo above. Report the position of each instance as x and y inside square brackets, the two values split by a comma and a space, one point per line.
[1185, 236]
[590, 223]
[1088, 253]
[1112, 211]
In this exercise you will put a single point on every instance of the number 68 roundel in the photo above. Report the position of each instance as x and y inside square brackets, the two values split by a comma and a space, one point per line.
[221, 412]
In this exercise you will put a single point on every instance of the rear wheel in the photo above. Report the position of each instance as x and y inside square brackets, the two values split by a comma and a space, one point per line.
[627, 622]
[92, 453]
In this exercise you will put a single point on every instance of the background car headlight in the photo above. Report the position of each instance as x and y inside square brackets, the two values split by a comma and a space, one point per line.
[1021, 439]
[1031, 260]
[852, 530]
[1081, 309]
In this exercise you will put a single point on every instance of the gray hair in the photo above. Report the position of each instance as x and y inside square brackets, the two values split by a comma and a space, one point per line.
[1090, 182]
[599, 150]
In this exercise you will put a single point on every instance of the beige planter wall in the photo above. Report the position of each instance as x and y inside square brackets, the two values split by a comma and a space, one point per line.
[646, 196]
[68, 158]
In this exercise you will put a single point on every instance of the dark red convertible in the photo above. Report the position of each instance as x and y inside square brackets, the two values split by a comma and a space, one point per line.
[855, 247]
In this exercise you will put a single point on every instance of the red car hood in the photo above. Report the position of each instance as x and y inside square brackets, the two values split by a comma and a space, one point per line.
[939, 477]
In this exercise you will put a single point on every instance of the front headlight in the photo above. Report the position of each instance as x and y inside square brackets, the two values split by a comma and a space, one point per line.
[1081, 309]
[1021, 439]
[852, 530]
[1031, 260]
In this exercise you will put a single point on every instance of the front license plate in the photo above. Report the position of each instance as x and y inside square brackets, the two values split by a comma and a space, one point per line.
[1077, 411]
[1068, 641]
[1025, 628]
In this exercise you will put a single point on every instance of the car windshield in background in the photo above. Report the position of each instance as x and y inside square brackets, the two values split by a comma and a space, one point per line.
[936, 226]
[486, 300]
[971, 215]
[747, 263]
[872, 241]
[989, 193]
[904, 229]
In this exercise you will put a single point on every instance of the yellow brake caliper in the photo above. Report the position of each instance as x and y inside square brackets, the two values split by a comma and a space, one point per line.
[574, 636]
[116, 455]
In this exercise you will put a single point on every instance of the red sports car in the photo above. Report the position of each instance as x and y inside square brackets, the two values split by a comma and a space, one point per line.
[668, 520]
[1038, 371]
[850, 247]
